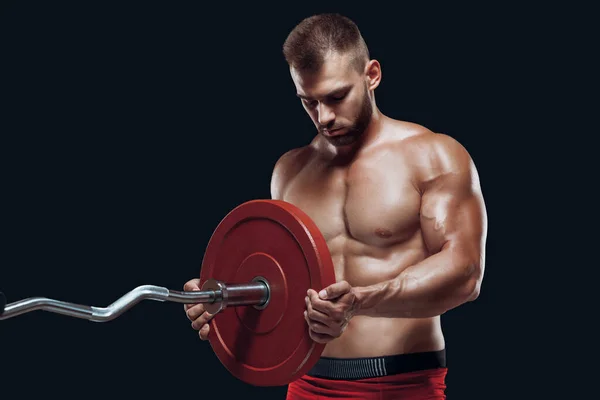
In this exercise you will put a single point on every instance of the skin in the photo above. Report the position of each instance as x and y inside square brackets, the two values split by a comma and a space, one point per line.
[401, 210]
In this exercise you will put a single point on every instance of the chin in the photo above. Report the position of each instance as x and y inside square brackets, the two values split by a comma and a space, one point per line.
[344, 140]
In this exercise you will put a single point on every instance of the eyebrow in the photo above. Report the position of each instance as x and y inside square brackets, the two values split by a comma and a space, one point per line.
[331, 93]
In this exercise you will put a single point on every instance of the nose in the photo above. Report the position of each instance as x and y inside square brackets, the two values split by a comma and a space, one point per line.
[326, 115]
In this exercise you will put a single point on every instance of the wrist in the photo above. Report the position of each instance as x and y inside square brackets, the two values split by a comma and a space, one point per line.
[364, 302]
[372, 300]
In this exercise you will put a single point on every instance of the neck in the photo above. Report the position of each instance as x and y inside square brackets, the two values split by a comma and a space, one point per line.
[373, 130]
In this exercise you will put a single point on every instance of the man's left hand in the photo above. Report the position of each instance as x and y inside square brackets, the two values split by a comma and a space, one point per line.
[329, 311]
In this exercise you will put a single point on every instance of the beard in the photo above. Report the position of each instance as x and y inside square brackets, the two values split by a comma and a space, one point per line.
[358, 128]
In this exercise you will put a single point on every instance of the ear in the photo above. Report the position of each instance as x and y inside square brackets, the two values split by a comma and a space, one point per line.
[373, 74]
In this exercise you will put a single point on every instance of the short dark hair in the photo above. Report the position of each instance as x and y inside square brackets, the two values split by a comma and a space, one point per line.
[315, 37]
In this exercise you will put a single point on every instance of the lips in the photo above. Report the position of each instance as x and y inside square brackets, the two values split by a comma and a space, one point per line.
[330, 131]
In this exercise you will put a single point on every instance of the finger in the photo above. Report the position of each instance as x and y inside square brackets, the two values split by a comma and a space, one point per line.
[320, 337]
[202, 320]
[190, 286]
[318, 327]
[315, 315]
[203, 333]
[334, 291]
[195, 311]
[324, 306]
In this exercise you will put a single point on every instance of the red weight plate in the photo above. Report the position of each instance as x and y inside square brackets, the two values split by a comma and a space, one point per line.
[279, 242]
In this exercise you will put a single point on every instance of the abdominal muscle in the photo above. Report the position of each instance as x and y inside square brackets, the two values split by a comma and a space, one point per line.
[369, 336]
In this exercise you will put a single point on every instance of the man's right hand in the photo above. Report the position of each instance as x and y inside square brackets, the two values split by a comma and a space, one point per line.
[196, 312]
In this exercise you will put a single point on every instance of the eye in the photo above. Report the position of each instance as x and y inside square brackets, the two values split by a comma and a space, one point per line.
[338, 97]
[310, 103]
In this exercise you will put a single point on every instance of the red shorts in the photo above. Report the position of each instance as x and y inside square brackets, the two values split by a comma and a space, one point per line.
[423, 385]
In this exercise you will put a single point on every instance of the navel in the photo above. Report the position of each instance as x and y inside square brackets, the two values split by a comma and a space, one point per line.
[383, 233]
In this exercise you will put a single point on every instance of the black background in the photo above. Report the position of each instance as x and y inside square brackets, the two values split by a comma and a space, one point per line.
[129, 130]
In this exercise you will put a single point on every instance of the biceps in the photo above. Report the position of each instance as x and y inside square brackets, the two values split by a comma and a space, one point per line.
[454, 220]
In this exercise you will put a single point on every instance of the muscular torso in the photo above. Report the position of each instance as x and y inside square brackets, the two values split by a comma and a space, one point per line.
[368, 211]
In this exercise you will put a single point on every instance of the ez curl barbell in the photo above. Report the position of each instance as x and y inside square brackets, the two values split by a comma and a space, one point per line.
[258, 265]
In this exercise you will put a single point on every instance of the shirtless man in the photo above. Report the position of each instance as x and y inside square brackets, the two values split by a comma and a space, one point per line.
[402, 212]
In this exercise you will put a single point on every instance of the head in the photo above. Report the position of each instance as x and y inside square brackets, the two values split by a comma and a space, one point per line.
[334, 76]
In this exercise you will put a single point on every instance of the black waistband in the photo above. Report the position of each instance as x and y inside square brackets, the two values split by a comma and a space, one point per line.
[371, 367]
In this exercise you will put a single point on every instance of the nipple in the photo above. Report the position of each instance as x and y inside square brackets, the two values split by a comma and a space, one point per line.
[383, 233]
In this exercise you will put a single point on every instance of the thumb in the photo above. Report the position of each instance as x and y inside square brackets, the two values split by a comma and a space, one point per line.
[334, 291]
[192, 285]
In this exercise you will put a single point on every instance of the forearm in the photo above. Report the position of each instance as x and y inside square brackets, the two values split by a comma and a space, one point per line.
[427, 289]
